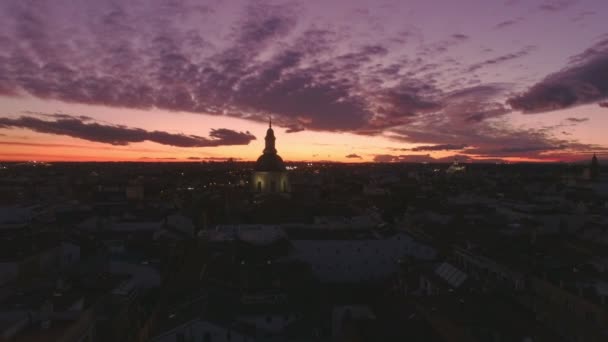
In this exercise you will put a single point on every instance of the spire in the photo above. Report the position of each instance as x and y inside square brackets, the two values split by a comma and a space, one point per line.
[595, 167]
[594, 160]
[270, 139]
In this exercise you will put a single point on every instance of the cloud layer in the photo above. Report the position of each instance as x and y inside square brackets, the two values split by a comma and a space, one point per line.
[87, 129]
[353, 156]
[254, 59]
[583, 81]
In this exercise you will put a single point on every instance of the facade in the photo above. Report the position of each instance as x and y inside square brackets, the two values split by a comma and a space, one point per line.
[270, 175]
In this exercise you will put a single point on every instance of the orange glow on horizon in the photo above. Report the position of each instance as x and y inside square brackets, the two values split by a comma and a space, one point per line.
[305, 146]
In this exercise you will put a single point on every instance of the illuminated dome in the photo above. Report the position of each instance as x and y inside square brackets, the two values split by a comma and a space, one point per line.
[270, 174]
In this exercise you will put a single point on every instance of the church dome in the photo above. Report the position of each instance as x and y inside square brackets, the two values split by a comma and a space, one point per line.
[270, 175]
[270, 163]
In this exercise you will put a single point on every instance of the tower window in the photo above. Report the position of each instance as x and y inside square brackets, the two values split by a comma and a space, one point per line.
[259, 186]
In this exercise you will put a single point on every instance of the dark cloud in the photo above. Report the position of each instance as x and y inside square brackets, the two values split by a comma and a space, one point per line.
[577, 120]
[406, 100]
[300, 80]
[352, 155]
[507, 23]
[365, 54]
[220, 159]
[460, 36]
[583, 81]
[473, 105]
[121, 135]
[444, 147]
[502, 59]
[424, 158]
[603, 104]
[265, 22]
[472, 115]
[556, 5]
[434, 49]
[524, 149]
[486, 139]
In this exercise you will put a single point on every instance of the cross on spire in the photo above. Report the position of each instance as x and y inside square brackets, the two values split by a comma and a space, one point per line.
[270, 138]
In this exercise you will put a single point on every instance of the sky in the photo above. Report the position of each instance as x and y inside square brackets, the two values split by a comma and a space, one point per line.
[347, 81]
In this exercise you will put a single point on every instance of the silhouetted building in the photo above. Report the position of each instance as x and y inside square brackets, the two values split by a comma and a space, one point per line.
[595, 168]
[270, 175]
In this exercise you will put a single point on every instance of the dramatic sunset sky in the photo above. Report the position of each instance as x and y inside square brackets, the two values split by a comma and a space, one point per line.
[349, 80]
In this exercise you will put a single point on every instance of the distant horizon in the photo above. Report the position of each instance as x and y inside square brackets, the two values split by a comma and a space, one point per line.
[356, 81]
[232, 160]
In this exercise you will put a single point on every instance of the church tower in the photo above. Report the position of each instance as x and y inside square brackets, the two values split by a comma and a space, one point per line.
[594, 169]
[270, 175]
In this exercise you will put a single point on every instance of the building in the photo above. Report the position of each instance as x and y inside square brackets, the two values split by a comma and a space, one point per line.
[595, 168]
[455, 168]
[270, 175]
[359, 258]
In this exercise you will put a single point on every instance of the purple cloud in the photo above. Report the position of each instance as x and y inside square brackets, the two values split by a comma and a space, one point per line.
[460, 36]
[556, 5]
[87, 129]
[508, 23]
[301, 81]
[353, 156]
[581, 82]
[577, 120]
[422, 158]
[256, 60]
[444, 147]
[502, 59]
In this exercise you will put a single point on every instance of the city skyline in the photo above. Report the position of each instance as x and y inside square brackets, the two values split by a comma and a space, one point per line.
[353, 81]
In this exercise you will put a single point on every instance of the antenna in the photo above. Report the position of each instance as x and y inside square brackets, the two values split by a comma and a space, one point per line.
[269, 121]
